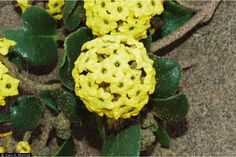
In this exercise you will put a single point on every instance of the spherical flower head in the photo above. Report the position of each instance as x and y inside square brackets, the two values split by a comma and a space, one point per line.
[23, 4]
[5, 45]
[55, 8]
[114, 76]
[129, 17]
[23, 147]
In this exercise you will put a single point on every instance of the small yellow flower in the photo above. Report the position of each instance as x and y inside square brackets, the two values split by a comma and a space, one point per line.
[23, 4]
[155, 7]
[8, 86]
[5, 45]
[2, 149]
[23, 147]
[2, 101]
[3, 69]
[55, 8]
[6, 134]
[114, 76]
[106, 16]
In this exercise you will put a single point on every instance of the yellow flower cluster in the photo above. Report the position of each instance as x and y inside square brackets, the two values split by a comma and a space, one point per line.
[130, 17]
[55, 8]
[23, 4]
[114, 76]
[5, 45]
[8, 85]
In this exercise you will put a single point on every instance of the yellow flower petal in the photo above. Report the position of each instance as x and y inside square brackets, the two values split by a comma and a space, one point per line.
[23, 4]
[3, 149]
[23, 147]
[3, 69]
[55, 8]
[5, 45]
[2, 101]
[5, 134]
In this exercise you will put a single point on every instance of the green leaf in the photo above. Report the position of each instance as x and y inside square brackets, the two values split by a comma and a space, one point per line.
[64, 75]
[26, 112]
[173, 17]
[101, 127]
[5, 118]
[173, 108]
[125, 143]
[67, 148]
[49, 101]
[72, 48]
[168, 74]
[162, 136]
[73, 20]
[67, 102]
[36, 42]
[68, 8]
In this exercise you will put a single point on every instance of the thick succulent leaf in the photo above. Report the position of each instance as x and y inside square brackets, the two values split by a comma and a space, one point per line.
[125, 143]
[68, 8]
[101, 127]
[75, 11]
[17, 61]
[168, 74]
[38, 22]
[37, 50]
[36, 42]
[5, 118]
[26, 112]
[67, 148]
[173, 17]
[68, 104]
[162, 137]
[173, 108]
[72, 47]
[73, 44]
[64, 75]
[49, 101]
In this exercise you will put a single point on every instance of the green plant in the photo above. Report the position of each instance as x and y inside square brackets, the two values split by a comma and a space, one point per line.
[37, 47]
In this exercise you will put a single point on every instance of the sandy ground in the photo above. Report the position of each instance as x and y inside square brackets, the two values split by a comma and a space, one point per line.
[210, 85]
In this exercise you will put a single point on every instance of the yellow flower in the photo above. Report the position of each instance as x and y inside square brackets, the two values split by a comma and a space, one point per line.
[2, 101]
[2, 149]
[55, 8]
[5, 134]
[3, 69]
[114, 76]
[23, 147]
[155, 7]
[118, 10]
[23, 4]
[106, 16]
[8, 86]
[5, 45]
